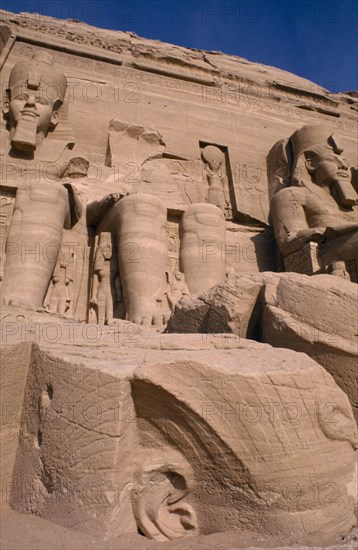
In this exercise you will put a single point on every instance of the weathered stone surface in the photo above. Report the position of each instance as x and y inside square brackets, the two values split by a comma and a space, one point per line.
[185, 409]
[15, 366]
[315, 315]
[73, 462]
[231, 306]
[143, 142]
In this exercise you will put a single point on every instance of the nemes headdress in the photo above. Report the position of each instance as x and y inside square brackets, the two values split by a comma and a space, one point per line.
[318, 139]
[286, 159]
[39, 73]
[309, 137]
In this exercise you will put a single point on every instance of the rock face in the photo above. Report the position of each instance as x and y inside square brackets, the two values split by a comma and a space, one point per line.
[232, 306]
[147, 188]
[142, 439]
[315, 315]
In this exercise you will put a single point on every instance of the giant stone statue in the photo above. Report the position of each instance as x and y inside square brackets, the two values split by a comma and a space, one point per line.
[138, 222]
[313, 200]
[42, 208]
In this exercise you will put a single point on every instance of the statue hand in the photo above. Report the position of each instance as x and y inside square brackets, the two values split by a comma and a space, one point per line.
[337, 231]
[314, 234]
[127, 193]
[113, 198]
[185, 300]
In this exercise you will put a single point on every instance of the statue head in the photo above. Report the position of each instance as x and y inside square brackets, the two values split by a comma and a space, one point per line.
[105, 244]
[317, 154]
[77, 168]
[35, 92]
[213, 156]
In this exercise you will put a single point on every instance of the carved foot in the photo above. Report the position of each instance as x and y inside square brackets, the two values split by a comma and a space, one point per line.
[149, 318]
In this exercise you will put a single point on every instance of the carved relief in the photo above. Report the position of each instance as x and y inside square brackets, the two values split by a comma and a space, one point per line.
[216, 175]
[7, 201]
[60, 292]
[106, 291]
[176, 288]
[72, 36]
[173, 244]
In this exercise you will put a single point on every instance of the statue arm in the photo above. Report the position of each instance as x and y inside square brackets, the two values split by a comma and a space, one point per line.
[289, 220]
[95, 285]
[97, 209]
[337, 231]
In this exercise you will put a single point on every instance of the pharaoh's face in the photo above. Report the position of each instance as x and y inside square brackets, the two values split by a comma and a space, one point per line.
[215, 165]
[107, 250]
[32, 110]
[327, 168]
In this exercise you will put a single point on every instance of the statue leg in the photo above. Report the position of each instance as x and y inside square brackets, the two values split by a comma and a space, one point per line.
[342, 248]
[202, 247]
[62, 305]
[108, 304]
[216, 197]
[140, 224]
[34, 242]
[101, 311]
[54, 300]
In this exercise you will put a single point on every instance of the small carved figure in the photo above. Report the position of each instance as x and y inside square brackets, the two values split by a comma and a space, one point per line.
[176, 288]
[59, 296]
[6, 209]
[106, 289]
[215, 172]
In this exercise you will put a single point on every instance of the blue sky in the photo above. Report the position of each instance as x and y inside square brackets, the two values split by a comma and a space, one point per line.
[316, 39]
